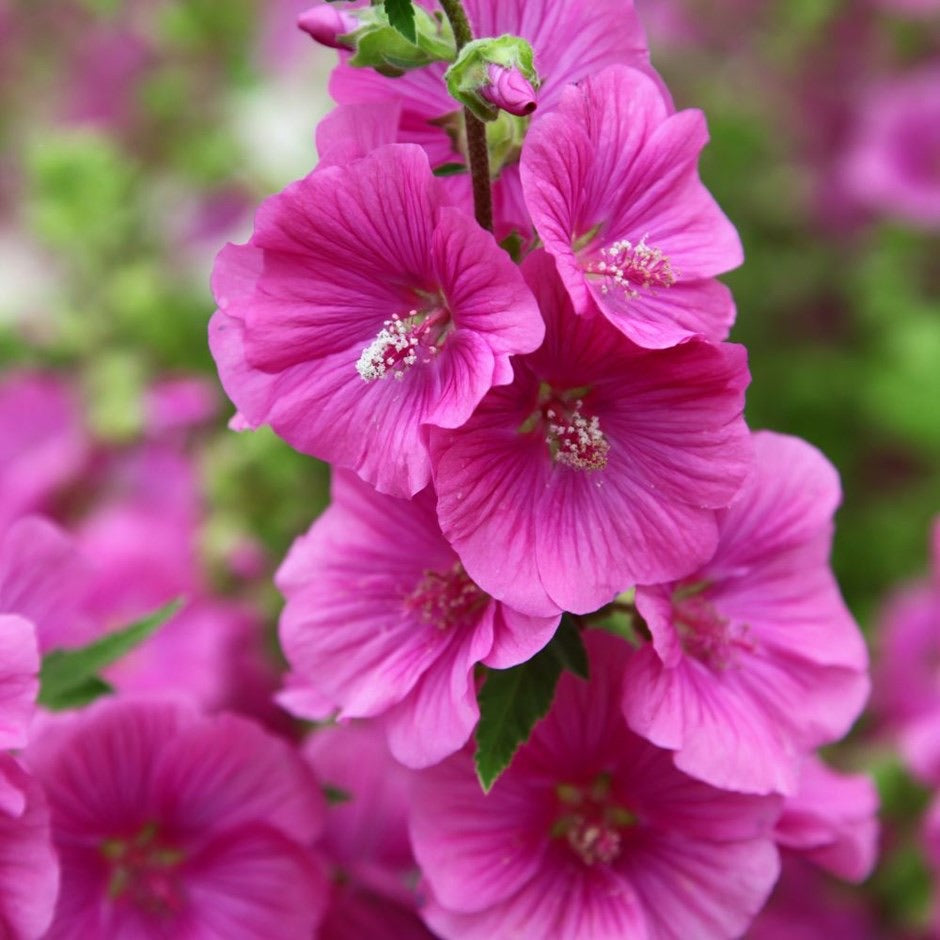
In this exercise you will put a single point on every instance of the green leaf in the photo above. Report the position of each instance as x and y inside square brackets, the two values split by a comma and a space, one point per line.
[69, 678]
[450, 169]
[401, 15]
[513, 700]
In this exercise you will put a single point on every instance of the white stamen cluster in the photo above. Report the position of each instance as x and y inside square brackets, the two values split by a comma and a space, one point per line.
[630, 267]
[577, 441]
[392, 352]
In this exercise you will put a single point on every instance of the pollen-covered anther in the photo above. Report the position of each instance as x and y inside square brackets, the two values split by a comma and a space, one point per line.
[393, 351]
[630, 267]
[446, 598]
[576, 441]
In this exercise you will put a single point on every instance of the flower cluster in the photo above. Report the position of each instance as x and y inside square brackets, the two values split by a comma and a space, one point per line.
[567, 628]
[537, 426]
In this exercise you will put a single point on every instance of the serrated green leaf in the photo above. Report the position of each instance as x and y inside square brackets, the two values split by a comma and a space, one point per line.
[401, 15]
[69, 678]
[513, 700]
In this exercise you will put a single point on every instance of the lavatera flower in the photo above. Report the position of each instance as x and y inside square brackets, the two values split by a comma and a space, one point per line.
[591, 834]
[611, 180]
[383, 620]
[601, 463]
[364, 310]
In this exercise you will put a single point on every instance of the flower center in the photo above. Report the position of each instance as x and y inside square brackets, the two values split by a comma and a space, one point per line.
[446, 598]
[403, 342]
[705, 634]
[630, 267]
[144, 868]
[590, 821]
[574, 437]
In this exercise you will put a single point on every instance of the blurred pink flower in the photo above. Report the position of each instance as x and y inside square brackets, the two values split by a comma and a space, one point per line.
[168, 823]
[892, 165]
[43, 442]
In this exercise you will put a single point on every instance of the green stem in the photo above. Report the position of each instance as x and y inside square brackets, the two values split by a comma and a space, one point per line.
[477, 151]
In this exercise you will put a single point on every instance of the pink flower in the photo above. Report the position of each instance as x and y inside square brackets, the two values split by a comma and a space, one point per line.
[179, 403]
[611, 180]
[171, 824]
[382, 619]
[600, 465]
[893, 162]
[366, 836]
[755, 658]
[591, 833]
[568, 46]
[29, 871]
[363, 311]
[832, 821]
[42, 441]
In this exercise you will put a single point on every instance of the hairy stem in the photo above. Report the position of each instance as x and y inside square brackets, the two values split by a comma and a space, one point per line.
[477, 151]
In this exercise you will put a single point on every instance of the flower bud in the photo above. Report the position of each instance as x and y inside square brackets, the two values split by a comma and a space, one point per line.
[509, 90]
[494, 75]
[328, 25]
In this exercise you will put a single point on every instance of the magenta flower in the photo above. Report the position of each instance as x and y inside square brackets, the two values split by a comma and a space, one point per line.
[568, 46]
[363, 311]
[755, 658]
[591, 833]
[832, 821]
[382, 619]
[365, 840]
[171, 824]
[600, 465]
[893, 162]
[29, 871]
[611, 180]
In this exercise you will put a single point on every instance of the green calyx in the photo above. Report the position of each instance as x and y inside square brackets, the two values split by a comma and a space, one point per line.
[469, 75]
[380, 46]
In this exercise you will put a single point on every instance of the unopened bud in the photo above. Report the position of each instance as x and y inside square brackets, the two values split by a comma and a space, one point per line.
[494, 75]
[509, 90]
[328, 25]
